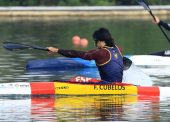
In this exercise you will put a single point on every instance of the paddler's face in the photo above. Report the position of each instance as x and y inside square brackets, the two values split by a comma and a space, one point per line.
[100, 44]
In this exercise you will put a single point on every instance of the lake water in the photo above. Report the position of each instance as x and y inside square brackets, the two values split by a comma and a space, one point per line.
[135, 36]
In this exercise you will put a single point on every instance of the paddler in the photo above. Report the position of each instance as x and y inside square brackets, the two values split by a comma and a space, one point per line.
[111, 65]
[161, 23]
[107, 56]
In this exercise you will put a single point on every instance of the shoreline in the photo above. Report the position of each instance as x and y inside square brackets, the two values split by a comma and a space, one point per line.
[82, 11]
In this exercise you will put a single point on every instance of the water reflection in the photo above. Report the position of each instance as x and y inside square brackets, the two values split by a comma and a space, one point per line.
[107, 108]
[80, 108]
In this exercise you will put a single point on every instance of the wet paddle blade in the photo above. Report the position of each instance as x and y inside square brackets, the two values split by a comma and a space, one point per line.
[144, 4]
[15, 46]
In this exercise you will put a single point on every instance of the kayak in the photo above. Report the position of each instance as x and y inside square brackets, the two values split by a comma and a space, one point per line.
[151, 60]
[70, 63]
[60, 63]
[68, 88]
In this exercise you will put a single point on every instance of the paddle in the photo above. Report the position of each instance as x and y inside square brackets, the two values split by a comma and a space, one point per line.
[18, 46]
[146, 7]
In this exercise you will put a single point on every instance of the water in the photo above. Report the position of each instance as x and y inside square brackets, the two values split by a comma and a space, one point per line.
[134, 36]
[84, 108]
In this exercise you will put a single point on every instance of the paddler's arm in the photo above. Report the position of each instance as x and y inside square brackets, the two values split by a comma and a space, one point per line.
[100, 56]
[165, 25]
[73, 53]
[156, 20]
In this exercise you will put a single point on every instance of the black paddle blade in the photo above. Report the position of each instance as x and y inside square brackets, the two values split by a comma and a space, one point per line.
[15, 46]
[144, 4]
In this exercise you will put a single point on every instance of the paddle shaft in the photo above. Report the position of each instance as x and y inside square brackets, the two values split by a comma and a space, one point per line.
[39, 48]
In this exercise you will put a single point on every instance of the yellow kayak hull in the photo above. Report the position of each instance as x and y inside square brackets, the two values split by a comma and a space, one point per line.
[68, 88]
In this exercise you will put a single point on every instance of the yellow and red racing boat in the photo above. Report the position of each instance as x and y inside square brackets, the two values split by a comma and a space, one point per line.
[69, 88]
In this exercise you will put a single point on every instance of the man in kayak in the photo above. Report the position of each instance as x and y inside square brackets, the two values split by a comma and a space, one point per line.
[163, 24]
[107, 56]
[109, 61]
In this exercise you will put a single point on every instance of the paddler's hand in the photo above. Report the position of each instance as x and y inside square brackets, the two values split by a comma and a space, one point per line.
[156, 20]
[52, 50]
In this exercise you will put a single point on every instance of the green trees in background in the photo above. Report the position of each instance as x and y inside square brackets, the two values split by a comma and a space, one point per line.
[77, 2]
